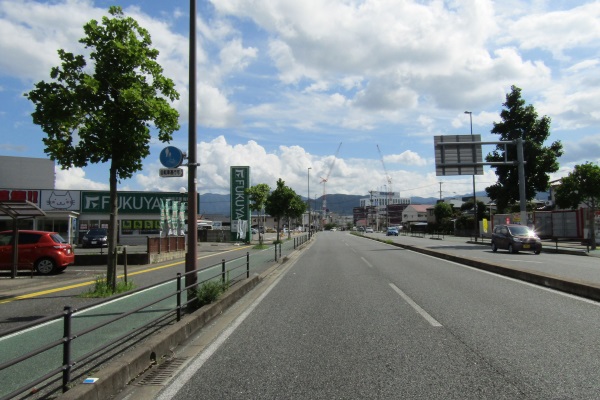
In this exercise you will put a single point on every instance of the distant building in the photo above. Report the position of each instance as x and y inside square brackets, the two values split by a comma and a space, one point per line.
[26, 173]
[382, 199]
[381, 209]
[415, 213]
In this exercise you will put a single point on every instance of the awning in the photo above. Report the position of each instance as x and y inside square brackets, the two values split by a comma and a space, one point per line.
[17, 209]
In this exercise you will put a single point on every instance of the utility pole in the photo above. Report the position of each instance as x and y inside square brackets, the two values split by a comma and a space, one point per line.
[191, 279]
[474, 195]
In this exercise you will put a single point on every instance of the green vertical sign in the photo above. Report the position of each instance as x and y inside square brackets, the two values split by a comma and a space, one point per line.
[240, 204]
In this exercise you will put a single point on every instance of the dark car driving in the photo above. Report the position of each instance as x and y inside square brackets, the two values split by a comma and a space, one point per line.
[515, 238]
[95, 237]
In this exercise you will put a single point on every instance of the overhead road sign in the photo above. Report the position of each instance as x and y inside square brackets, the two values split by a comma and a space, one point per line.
[458, 155]
[170, 172]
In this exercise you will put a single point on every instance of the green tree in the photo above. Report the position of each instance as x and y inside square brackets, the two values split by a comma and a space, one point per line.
[103, 114]
[295, 211]
[521, 121]
[481, 208]
[279, 202]
[442, 210]
[258, 197]
[582, 186]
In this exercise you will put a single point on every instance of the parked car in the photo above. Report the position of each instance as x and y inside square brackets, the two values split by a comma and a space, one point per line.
[515, 238]
[46, 252]
[95, 237]
[254, 231]
[392, 232]
[369, 230]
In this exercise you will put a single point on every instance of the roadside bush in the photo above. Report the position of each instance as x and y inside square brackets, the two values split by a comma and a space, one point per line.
[210, 292]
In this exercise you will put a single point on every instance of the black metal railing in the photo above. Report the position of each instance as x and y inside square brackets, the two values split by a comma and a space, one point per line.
[230, 272]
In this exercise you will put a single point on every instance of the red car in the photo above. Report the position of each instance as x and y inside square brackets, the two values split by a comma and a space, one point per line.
[47, 252]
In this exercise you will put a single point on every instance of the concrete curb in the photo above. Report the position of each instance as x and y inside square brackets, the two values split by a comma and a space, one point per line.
[117, 374]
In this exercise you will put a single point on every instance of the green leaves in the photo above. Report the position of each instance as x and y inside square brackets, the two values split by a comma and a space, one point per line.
[258, 196]
[105, 113]
[582, 186]
[521, 121]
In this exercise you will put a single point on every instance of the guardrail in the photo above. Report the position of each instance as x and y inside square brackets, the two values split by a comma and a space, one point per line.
[75, 350]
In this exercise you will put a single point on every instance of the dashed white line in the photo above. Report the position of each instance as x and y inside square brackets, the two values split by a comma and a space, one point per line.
[432, 321]
[366, 262]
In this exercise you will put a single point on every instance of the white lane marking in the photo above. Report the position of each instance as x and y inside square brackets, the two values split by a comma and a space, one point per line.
[188, 373]
[366, 262]
[508, 278]
[432, 321]
[521, 261]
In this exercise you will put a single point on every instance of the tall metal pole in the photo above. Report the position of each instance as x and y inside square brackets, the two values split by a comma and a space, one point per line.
[522, 194]
[192, 253]
[309, 221]
[476, 223]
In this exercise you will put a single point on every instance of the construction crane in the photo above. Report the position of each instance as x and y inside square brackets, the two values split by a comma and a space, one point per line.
[390, 192]
[324, 182]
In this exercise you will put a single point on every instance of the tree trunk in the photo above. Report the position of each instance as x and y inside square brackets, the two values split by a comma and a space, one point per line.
[113, 229]
[260, 235]
[593, 226]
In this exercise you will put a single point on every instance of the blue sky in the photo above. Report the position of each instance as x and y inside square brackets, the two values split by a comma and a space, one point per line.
[282, 82]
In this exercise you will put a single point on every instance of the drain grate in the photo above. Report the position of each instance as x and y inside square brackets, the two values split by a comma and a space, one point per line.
[160, 374]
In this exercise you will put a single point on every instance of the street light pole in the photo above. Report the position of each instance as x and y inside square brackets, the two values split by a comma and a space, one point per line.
[308, 201]
[476, 224]
[192, 254]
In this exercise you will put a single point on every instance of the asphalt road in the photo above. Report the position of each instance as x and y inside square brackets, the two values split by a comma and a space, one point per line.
[357, 319]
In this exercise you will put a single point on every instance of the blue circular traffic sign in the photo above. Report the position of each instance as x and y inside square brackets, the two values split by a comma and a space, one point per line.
[171, 157]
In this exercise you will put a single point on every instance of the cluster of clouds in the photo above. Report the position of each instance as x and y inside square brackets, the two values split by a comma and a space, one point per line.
[282, 82]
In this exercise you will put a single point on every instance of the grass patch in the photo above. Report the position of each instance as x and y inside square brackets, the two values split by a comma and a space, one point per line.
[260, 247]
[101, 288]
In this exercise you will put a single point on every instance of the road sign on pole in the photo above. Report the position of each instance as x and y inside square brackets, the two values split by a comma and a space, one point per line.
[171, 157]
[170, 172]
[458, 155]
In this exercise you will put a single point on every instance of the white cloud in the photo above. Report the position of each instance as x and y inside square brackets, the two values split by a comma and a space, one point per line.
[74, 179]
[291, 163]
[298, 77]
[554, 31]
[407, 157]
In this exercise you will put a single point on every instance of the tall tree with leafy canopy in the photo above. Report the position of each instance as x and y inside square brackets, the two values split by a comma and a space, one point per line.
[521, 121]
[103, 113]
[295, 211]
[258, 197]
[279, 202]
[582, 186]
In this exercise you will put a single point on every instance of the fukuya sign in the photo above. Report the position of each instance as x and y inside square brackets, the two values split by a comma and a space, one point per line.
[240, 204]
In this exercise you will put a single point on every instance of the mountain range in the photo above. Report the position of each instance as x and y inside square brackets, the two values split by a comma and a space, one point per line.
[341, 204]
